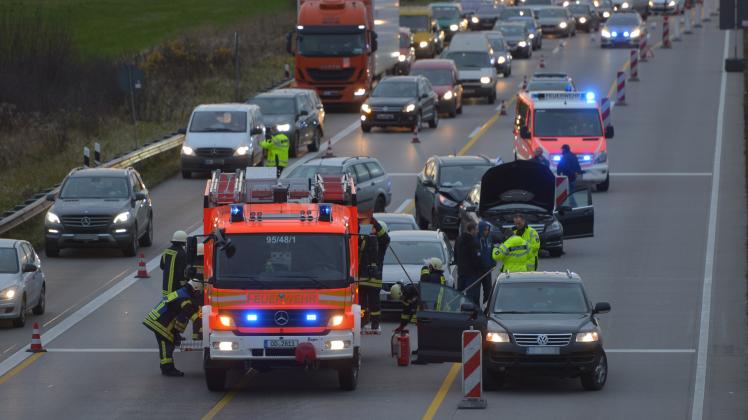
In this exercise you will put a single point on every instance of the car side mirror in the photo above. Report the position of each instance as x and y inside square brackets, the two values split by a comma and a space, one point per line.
[524, 132]
[181, 130]
[29, 268]
[609, 132]
[256, 131]
[470, 308]
[601, 308]
[51, 197]
[138, 196]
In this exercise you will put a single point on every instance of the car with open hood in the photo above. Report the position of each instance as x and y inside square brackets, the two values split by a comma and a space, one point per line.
[443, 75]
[623, 29]
[528, 188]
[401, 101]
[535, 323]
[517, 37]
[442, 185]
[556, 21]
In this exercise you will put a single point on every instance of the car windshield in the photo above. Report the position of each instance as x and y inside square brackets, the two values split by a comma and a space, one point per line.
[395, 90]
[538, 2]
[331, 45]
[581, 9]
[417, 23]
[461, 176]
[437, 77]
[528, 22]
[627, 19]
[567, 123]
[94, 187]
[309, 170]
[283, 260]
[470, 60]
[404, 41]
[445, 12]
[395, 226]
[514, 11]
[412, 252]
[544, 13]
[8, 260]
[498, 44]
[511, 30]
[275, 106]
[549, 85]
[218, 122]
[565, 298]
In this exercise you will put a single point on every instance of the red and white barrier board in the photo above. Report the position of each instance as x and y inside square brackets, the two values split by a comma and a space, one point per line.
[472, 371]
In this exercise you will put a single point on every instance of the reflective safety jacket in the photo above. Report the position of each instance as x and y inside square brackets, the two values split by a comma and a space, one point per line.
[532, 238]
[434, 277]
[173, 264]
[173, 313]
[514, 253]
[410, 304]
[277, 148]
[368, 257]
[383, 242]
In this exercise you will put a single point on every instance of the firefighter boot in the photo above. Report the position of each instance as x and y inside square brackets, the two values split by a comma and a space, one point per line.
[171, 371]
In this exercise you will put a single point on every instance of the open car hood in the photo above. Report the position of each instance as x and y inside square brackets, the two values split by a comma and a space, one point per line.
[521, 181]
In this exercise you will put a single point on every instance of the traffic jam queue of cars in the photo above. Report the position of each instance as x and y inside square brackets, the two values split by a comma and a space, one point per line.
[443, 55]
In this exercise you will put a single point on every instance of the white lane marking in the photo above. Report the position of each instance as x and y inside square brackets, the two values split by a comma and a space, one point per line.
[403, 174]
[402, 206]
[474, 132]
[661, 173]
[668, 351]
[18, 357]
[555, 50]
[323, 145]
[697, 409]
[122, 350]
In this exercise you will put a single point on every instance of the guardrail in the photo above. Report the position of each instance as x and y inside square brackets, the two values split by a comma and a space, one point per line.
[39, 204]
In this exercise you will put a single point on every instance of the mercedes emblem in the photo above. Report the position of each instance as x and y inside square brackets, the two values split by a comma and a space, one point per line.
[86, 221]
[281, 318]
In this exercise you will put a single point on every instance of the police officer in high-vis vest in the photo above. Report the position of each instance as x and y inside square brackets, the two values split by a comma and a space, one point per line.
[514, 253]
[169, 318]
[530, 235]
[174, 264]
[276, 144]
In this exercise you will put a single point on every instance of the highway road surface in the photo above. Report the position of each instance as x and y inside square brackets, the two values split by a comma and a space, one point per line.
[669, 254]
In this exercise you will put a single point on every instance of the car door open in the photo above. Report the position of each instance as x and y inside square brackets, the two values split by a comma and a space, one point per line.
[577, 215]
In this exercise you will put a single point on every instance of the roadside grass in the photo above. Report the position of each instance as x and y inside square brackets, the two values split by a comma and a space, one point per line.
[111, 28]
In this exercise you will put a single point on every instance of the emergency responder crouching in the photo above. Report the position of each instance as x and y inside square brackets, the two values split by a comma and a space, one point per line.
[276, 145]
[169, 318]
[174, 264]
[197, 273]
[407, 294]
[514, 253]
[530, 235]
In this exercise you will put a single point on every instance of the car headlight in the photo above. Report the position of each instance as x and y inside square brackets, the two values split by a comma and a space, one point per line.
[531, 36]
[401, 58]
[555, 226]
[448, 95]
[243, 150]
[635, 33]
[53, 218]
[283, 127]
[562, 25]
[651, 3]
[485, 80]
[565, 3]
[122, 217]
[447, 202]
[497, 337]
[596, 3]
[366, 109]
[187, 150]
[601, 157]
[7, 294]
[453, 27]
[409, 108]
[606, 14]
[522, 44]
[605, 33]
[359, 92]
[501, 59]
[671, 4]
[423, 44]
[624, 5]
[582, 19]
[587, 337]
[474, 19]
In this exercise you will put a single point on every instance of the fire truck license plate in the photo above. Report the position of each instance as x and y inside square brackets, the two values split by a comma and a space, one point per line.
[274, 344]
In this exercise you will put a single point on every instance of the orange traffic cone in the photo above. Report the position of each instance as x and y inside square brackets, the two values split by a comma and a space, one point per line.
[503, 108]
[142, 271]
[36, 341]
[542, 61]
[415, 134]
[328, 150]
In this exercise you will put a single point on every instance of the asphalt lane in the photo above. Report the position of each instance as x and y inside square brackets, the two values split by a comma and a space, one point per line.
[647, 259]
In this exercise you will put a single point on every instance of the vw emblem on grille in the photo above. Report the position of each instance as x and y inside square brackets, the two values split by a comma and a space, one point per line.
[281, 318]
[86, 221]
[542, 340]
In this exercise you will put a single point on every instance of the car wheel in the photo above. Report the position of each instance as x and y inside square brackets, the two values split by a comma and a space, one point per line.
[459, 108]
[131, 249]
[453, 111]
[379, 205]
[366, 128]
[41, 305]
[595, 380]
[492, 381]
[186, 174]
[314, 145]
[605, 185]
[20, 321]
[215, 379]
[434, 120]
[293, 148]
[52, 250]
[147, 238]
[348, 375]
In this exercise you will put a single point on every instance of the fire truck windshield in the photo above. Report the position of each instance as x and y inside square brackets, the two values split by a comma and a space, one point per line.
[284, 260]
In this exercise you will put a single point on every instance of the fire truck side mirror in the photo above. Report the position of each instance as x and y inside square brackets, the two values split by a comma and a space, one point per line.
[191, 250]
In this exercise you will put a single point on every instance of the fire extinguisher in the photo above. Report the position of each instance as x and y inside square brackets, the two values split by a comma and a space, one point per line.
[401, 347]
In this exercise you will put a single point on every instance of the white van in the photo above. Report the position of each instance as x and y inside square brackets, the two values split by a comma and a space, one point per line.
[222, 136]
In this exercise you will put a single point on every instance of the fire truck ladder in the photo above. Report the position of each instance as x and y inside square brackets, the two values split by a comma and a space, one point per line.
[226, 188]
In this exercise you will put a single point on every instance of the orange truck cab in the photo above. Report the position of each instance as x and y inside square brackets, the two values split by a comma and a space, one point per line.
[342, 46]
[548, 120]
[281, 257]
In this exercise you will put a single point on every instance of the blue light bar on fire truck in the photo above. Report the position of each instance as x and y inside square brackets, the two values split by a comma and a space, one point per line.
[237, 213]
[563, 96]
[325, 213]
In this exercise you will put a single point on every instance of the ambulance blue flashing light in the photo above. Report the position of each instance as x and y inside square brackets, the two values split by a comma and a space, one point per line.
[590, 96]
[311, 317]
[252, 317]
[237, 213]
[325, 213]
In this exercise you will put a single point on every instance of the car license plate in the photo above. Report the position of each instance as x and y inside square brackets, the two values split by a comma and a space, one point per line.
[330, 93]
[542, 350]
[214, 161]
[469, 91]
[281, 344]
[385, 116]
[87, 237]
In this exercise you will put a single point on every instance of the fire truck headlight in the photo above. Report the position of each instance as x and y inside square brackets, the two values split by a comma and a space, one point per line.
[226, 345]
[226, 321]
[336, 320]
[337, 344]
